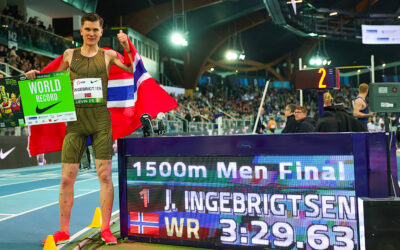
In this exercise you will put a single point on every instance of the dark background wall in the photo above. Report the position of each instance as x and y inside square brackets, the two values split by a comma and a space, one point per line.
[19, 156]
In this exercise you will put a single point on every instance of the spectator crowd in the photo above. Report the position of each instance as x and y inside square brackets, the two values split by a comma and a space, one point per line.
[30, 32]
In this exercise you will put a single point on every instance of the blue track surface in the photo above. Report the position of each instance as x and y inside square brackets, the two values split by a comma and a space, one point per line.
[29, 204]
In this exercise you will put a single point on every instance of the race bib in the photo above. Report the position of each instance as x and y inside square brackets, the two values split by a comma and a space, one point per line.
[88, 90]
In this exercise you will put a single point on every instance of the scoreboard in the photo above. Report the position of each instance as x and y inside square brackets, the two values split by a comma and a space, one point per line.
[321, 78]
[271, 191]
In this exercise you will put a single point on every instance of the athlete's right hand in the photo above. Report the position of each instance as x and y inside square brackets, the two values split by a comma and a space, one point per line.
[31, 74]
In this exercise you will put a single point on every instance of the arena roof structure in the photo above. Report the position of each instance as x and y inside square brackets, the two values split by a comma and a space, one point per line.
[273, 33]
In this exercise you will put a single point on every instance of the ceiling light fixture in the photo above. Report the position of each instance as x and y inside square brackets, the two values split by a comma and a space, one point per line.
[179, 27]
[321, 58]
[335, 13]
[297, 1]
[235, 47]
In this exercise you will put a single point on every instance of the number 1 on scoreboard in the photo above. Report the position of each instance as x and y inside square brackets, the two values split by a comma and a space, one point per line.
[144, 195]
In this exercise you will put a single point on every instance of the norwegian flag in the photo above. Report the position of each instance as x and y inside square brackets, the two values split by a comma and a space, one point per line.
[129, 96]
[144, 223]
[88, 95]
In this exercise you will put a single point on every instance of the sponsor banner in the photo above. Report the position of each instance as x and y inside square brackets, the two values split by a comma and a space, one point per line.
[11, 114]
[48, 97]
[13, 153]
[282, 202]
[380, 34]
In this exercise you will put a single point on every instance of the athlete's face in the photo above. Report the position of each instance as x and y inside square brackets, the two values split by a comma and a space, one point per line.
[91, 32]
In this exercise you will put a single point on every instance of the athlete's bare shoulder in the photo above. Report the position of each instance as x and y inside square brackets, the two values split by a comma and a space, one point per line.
[110, 53]
[67, 55]
[66, 60]
[110, 56]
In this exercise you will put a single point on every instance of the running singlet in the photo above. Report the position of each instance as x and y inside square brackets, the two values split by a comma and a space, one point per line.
[93, 119]
[363, 120]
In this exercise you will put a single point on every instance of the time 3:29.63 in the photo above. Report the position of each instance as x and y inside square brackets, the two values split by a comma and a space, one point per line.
[283, 235]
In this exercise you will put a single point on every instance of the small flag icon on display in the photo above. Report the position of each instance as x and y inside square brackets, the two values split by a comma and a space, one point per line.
[144, 223]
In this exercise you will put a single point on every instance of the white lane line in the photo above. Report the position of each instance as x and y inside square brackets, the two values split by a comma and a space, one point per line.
[73, 237]
[47, 205]
[43, 188]
[80, 177]
[36, 175]
[51, 166]
[32, 179]
[80, 189]
[5, 214]
[13, 183]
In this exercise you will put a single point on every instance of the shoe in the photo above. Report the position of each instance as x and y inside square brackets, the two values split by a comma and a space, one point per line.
[59, 238]
[108, 237]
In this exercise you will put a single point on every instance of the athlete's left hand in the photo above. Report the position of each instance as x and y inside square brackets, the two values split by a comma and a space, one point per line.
[123, 39]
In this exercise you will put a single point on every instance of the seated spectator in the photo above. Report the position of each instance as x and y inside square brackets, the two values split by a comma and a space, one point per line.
[7, 11]
[260, 128]
[197, 117]
[3, 51]
[291, 123]
[371, 125]
[13, 52]
[304, 123]
[272, 125]
[50, 28]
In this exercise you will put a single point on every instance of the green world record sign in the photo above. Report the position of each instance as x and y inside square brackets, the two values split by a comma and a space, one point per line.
[48, 98]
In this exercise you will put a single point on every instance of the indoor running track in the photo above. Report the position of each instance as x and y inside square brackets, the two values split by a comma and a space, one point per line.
[29, 203]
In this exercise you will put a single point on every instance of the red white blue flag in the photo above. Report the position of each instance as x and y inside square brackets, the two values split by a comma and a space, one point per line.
[129, 96]
[144, 223]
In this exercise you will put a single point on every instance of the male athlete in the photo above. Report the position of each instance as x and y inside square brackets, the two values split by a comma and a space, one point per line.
[88, 64]
[361, 110]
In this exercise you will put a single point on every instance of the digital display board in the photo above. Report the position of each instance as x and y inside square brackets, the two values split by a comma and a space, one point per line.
[321, 78]
[285, 201]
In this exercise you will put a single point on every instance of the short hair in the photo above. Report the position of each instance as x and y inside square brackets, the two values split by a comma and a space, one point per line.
[92, 17]
[303, 109]
[292, 107]
[363, 88]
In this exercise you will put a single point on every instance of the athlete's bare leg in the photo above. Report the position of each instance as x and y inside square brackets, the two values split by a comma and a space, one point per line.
[66, 195]
[103, 168]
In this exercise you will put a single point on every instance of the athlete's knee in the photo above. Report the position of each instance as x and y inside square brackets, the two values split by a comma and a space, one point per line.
[105, 177]
[68, 176]
[67, 181]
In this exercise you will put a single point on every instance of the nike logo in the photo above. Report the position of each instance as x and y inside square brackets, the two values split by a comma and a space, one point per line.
[4, 155]
[39, 110]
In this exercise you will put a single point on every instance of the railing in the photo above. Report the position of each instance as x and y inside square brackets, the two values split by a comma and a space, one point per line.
[233, 123]
[172, 128]
[164, 80]
[201, 128]
[6, 72]
[32, 38]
